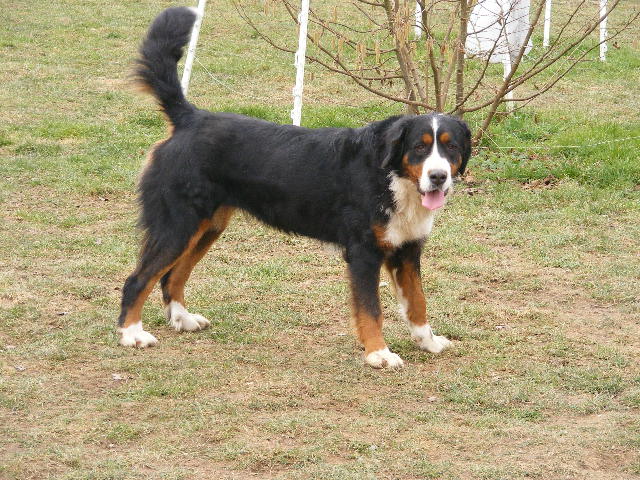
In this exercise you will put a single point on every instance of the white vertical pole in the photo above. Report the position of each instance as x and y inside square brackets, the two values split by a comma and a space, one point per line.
[418, 27]
[603, 30]
[547, 24]
[303, 22]
[506, 62]
[191, 52]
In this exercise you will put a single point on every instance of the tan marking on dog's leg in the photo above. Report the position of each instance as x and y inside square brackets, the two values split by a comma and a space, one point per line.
[130, 330]
[409, 286]
[369, 332]
[173, 291]
[413, 307]
[367, 315]
[134, 313]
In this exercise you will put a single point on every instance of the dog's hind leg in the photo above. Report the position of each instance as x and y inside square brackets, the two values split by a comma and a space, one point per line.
[174, 280]
[364, 274]
[156, 258]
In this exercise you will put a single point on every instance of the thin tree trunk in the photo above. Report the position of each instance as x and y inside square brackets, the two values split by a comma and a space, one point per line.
[462, 37]
[392, 12]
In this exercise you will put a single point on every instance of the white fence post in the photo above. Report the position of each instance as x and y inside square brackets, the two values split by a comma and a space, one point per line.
[303, 21]
[191, 52]
[506, 63]
[603, 30]
[547, 24]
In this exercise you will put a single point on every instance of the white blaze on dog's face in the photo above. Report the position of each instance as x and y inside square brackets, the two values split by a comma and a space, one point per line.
[436, 169]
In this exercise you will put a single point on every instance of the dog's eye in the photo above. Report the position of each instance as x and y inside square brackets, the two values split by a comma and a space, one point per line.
[452, 146]
[421, 149]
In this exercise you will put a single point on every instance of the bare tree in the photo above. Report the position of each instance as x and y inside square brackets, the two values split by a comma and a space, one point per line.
[371, 42]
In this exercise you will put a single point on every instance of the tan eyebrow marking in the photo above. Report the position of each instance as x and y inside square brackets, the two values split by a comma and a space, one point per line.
[427, 138]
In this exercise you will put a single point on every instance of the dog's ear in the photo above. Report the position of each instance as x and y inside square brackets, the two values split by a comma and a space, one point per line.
[394, 140]
[466, 146]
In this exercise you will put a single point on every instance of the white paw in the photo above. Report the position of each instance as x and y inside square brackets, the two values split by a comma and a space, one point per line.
[383, 359]
[183, 321]
[135, 336]
[426, 340]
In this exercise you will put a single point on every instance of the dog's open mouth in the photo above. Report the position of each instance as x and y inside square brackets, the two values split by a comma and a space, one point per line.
[434, 199]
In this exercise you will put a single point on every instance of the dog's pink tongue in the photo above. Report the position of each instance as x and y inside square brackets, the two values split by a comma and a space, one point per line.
[433, 200]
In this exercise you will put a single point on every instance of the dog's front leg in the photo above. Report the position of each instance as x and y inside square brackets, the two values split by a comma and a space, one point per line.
[364, 273]
[404, 269]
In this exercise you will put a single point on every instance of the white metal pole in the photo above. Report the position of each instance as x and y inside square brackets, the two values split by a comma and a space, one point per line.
[547, 24]
[418, 27]
[603, 30]
[303, 22]
[191, 52]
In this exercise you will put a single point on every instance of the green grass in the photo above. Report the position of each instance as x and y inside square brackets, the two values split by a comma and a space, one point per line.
[532, 270]
[530, 146]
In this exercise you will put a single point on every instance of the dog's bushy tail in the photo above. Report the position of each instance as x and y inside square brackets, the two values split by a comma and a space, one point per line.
[156, 70]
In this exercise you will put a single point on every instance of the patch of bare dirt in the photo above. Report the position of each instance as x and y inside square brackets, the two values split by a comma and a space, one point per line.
[559, 295]
[541, 184]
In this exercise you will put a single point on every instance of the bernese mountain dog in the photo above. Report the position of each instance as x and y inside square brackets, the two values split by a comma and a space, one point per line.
[372, 191]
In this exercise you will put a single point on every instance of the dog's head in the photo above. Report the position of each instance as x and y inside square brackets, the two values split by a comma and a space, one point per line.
[429, 150]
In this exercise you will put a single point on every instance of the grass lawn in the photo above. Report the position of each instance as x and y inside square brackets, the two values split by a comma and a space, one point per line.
[533, 270]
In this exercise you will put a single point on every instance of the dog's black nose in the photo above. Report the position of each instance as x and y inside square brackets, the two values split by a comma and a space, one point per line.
[438, 177]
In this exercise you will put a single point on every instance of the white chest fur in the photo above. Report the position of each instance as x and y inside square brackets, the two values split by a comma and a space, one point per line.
[410, 221]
